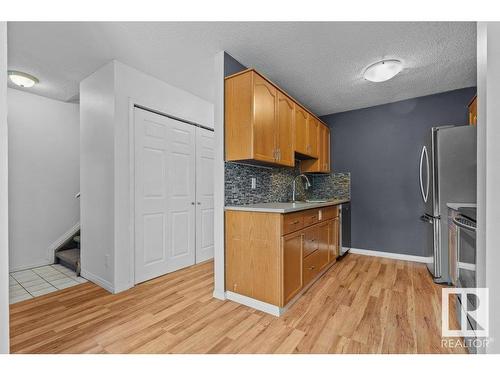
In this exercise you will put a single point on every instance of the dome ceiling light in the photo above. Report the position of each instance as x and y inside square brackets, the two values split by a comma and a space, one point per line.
[22, 79]
[383, 70]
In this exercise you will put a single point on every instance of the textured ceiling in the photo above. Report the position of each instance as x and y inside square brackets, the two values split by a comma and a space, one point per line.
[319, 63]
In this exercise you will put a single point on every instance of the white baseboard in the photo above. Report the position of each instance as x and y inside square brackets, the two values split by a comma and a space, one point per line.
[219, 294]
[98, 280]
[29, 266]
[383, 254]
[62, 239]
[253, 303]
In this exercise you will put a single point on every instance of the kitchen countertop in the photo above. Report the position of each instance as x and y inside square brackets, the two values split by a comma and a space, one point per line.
[284, 207]
[457, 206]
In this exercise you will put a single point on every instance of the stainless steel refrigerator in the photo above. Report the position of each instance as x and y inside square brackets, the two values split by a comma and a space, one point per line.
[447, 175]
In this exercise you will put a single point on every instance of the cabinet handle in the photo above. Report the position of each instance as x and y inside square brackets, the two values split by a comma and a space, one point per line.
[295, 222]
[312, 267]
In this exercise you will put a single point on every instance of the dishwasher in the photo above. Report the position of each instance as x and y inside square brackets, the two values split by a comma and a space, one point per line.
[345, 228]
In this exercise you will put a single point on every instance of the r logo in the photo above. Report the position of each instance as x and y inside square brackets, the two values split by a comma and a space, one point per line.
[474, 312]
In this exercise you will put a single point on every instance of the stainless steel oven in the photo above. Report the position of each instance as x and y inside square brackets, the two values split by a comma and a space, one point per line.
[462, 247]
[462, 260]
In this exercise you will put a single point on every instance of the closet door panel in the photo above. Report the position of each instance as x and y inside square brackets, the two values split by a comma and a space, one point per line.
[204, 195]
[164, 189]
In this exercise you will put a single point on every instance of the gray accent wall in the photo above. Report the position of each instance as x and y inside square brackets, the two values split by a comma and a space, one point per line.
[380, 147]
[231, 65]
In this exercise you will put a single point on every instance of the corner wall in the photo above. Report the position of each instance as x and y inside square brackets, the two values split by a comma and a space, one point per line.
[4, 213]
[488, 176]
[107, 100]
[44, 176]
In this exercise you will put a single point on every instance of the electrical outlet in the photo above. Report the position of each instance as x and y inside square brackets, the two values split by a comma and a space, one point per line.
[254, 183]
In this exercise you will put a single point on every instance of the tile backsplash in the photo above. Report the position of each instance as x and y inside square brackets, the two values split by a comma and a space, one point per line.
[275, 184]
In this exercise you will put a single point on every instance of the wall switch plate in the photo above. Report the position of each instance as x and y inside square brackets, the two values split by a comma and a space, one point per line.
[254, 183]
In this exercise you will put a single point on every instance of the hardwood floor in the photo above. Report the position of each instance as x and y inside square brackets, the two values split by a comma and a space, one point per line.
[361, 305]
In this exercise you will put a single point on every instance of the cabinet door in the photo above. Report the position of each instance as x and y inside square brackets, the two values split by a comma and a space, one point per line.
[285, 130]
[300, 130]
[325, 149]
[333, 240]
[324, 244]
[292, 265]
[265, 118]
[313, 136]
[322, 148]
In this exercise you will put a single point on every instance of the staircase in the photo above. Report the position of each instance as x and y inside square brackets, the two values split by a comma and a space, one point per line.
[68, 254]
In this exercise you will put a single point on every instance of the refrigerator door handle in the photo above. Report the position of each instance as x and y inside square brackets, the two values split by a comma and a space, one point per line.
[425, 195]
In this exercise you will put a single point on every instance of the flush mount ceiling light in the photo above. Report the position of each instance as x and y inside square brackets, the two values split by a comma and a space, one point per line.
[22, 79]
[383, 70]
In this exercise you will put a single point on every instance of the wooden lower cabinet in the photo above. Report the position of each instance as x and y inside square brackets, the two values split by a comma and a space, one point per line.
[292, 265]
[324, 244]
[333, 239]
[253, 255]
[266, 262]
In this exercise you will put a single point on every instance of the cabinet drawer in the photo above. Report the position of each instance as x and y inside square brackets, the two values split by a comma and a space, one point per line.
[311, 217]
[311, 240]
[311, 267]
[293, 222]
[330, 212]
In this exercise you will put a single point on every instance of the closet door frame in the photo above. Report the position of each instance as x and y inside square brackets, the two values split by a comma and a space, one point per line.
[133, 104]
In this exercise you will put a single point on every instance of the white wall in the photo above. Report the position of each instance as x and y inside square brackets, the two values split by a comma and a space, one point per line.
[44, 176]
[219, 262]
[4, 218]
[488, 236]
[97, 176]
[107, 97]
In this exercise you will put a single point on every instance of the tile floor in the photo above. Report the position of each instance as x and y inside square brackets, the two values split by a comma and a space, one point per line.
[38, 281]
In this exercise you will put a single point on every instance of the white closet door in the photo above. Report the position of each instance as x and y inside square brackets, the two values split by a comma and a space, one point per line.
[204, 194]
[164, 195]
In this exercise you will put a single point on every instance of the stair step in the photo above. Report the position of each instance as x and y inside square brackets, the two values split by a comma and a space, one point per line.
[71, 256]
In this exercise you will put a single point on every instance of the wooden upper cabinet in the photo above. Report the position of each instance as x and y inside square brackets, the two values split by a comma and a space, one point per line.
[322, 163]
[325, 148]
[301, 130]
[312, 137]
[285, 130]
[265, 120]
[263, 124]
[473, 111]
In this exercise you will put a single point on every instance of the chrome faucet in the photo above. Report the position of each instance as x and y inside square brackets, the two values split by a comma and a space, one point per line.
[294, 185]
